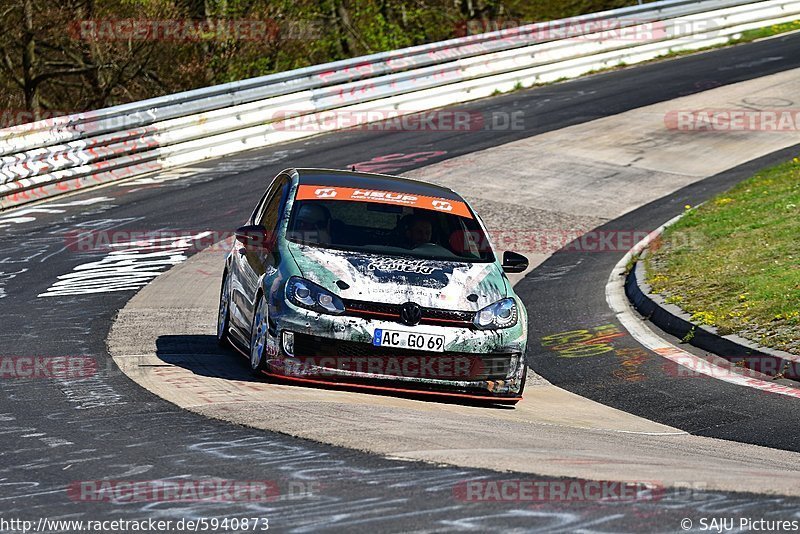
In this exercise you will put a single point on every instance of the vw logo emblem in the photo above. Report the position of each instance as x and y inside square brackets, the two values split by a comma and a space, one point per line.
[410, 313]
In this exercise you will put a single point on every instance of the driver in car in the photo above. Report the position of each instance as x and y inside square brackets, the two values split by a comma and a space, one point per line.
[419, 231]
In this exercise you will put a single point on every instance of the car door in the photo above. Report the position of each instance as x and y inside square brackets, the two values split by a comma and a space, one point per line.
[254, 263]
[239, 299]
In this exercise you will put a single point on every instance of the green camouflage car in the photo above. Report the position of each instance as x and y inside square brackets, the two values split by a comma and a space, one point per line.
[376, 282]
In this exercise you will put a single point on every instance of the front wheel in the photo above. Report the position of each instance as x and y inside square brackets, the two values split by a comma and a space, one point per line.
[223, 315]
[258, 336]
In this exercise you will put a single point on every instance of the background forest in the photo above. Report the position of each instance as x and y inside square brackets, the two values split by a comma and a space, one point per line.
[64, 56]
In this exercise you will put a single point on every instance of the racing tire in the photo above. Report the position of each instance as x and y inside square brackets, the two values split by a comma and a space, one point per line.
[224, 312]
[259, 331]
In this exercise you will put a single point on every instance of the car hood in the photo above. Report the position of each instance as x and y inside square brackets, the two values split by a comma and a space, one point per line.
[396, 280]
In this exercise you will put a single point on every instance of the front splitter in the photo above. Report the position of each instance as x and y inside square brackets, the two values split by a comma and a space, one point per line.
[393, 390]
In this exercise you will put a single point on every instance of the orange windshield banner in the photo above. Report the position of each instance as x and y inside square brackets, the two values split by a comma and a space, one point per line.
[321, 192]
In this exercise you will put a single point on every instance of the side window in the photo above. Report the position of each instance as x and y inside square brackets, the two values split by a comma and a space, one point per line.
[258, 213]
[269, 217]
[259, 208]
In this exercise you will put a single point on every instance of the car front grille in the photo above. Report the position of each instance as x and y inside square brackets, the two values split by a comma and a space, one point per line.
[366, 358]
[391, 312]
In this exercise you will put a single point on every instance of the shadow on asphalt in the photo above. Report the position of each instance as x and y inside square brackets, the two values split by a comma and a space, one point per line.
[201, 355]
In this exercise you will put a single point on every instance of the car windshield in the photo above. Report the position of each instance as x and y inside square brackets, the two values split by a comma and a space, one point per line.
[380, 228]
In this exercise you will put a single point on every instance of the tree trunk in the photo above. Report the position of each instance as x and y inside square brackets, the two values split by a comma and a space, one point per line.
[31, 88]
[342, 15]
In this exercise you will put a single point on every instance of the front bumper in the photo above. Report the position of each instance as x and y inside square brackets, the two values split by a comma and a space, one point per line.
[332, 349]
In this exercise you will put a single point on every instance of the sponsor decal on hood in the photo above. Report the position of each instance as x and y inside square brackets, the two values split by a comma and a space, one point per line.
[396, 280]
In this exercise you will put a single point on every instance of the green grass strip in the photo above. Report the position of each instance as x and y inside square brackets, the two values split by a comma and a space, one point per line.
[734, 262]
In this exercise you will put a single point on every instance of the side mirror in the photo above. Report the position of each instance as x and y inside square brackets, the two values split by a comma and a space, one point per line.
[254, 237]
[513, 262]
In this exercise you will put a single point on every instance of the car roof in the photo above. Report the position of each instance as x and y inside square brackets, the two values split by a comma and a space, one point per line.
[368, 180]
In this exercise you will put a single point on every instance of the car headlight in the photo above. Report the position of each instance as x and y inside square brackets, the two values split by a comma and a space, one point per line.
[307, 294]
[501, 314]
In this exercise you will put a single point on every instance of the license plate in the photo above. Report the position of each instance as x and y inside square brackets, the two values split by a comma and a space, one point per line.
[408, 340]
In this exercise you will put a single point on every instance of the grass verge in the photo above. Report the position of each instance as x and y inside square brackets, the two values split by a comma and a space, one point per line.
[745, 37]
[734, 262]
[768, 31]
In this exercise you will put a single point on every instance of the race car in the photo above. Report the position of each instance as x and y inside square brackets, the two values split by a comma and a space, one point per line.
[376, 282]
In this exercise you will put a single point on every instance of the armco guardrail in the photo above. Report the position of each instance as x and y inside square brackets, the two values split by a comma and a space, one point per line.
[144, 112]
[49, 157]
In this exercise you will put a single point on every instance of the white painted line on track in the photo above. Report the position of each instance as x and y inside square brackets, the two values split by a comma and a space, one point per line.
[651, 433]
[619, 304]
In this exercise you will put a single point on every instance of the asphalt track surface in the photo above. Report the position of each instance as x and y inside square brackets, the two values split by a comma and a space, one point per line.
[567, 293]
[56, 432]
